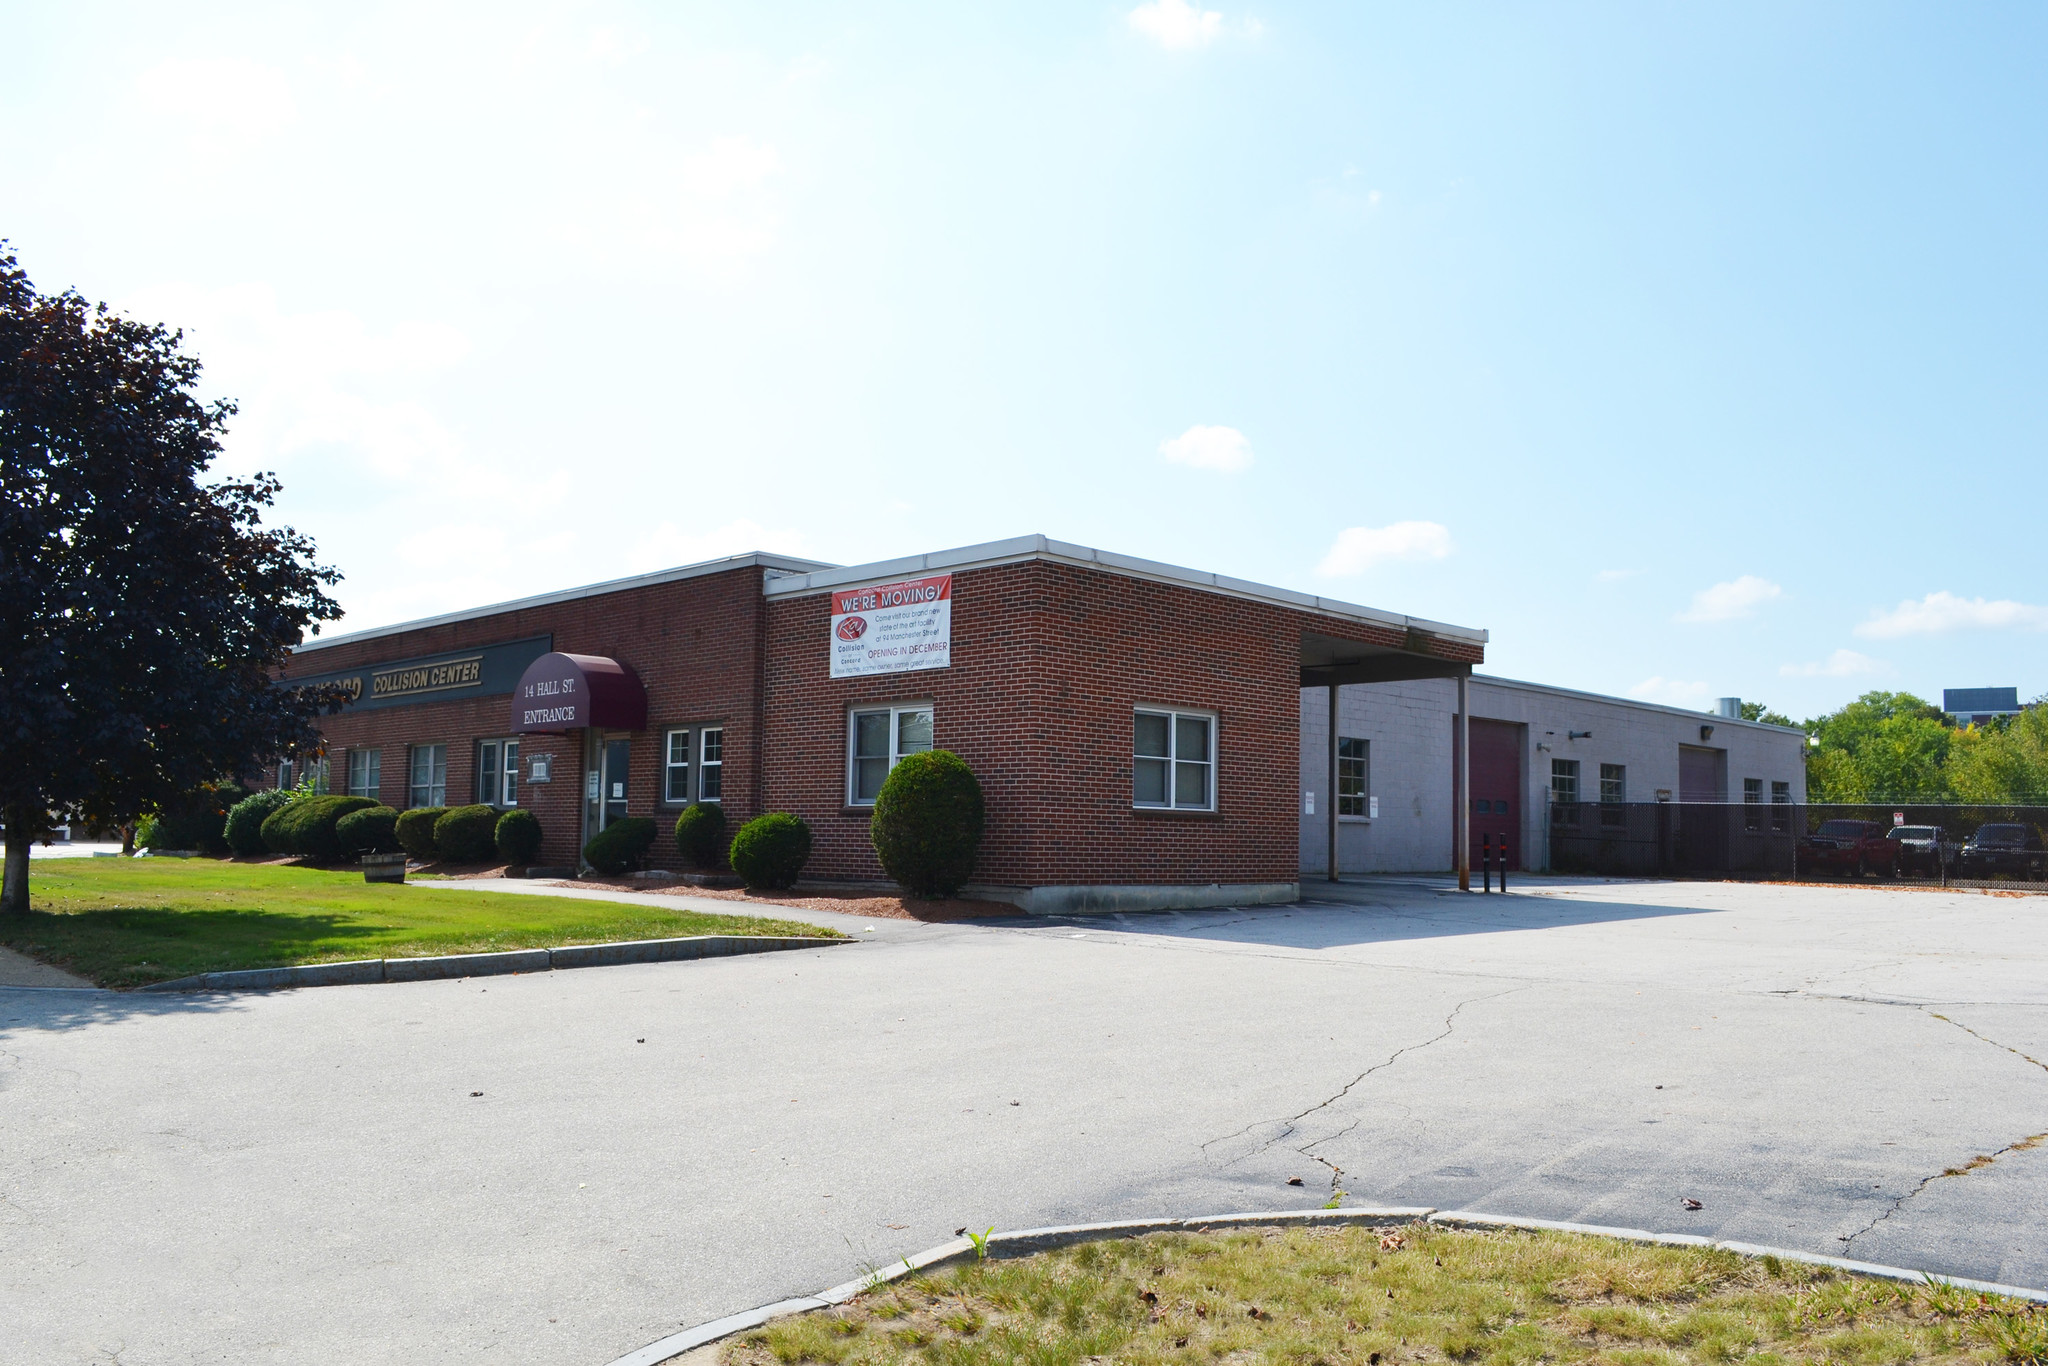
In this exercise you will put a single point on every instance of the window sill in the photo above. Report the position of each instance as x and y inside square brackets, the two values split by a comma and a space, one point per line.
[1183, 813]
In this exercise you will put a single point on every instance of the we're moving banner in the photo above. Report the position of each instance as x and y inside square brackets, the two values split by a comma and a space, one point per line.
[893, 627]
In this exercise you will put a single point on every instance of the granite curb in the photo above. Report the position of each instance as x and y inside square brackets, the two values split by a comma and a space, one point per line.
[491, 964]
[1023, 1242]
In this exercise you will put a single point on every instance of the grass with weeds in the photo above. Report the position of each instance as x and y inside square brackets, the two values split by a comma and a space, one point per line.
[128, 922]
[1328, 1297]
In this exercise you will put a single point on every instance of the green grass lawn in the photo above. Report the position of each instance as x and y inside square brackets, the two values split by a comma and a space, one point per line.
[129, 922]
[1421, 1294]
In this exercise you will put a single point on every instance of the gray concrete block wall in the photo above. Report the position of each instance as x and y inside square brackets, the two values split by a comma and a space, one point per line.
[1409, 728]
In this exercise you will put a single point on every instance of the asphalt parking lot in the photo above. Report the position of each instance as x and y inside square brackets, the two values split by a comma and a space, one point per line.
[309, 1176]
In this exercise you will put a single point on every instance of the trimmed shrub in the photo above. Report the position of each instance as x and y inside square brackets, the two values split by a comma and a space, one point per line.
[306, 827]
[517, 836]
[415, 831]
[244, 829]
[373, 830]
[928, 821]
[770, 850]
[464, 834]
[700, 834]
[619, 847]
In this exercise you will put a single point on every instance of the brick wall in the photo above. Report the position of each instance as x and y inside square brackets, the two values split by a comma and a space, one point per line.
[1048, 662]
[694, 643]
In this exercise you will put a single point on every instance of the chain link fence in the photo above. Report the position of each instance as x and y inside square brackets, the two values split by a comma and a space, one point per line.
[1966, 846]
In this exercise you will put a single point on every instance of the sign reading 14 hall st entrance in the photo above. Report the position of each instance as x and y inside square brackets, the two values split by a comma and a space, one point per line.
[893, 627]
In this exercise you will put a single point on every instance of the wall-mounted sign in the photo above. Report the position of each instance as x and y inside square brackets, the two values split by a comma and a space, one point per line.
[561, 692]
[490, 670]
[893, 627]
[539, 767]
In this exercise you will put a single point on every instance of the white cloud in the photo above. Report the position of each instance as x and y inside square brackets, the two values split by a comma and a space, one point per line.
[1209, 448]
[1840, 664]
[1177, 24]
[1359, 548]
[1940, 613]
[1732, 600]
[1671, 692]
[669, 545]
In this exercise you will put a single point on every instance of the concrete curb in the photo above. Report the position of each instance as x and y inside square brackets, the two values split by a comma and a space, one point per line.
[491, 964]
[1023, 1242]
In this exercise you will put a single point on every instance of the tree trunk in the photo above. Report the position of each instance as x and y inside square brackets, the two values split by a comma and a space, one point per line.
[14, 890]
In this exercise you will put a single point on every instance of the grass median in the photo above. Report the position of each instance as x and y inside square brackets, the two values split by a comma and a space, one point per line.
[1377, 1297]
[130, 922]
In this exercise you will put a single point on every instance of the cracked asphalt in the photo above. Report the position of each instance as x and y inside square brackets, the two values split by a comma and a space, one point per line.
[309, 1176]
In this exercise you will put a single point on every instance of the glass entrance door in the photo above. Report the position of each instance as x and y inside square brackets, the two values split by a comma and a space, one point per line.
[604, 781]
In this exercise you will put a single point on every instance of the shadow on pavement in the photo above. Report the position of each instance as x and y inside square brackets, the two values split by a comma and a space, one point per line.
[1354, 913]
[26, 1009]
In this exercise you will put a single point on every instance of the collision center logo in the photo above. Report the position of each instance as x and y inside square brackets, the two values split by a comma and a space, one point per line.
[853, 628]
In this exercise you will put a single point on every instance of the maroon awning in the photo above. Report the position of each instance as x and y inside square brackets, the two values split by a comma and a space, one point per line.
[566, 692]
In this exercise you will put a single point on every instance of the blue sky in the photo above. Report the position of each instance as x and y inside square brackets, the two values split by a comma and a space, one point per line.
[1691, 350]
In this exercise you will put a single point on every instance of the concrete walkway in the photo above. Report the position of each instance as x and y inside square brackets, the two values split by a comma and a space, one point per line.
[19, 970]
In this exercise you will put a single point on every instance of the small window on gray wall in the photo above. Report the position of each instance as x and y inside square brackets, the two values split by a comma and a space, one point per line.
[1354, 776]
[1564, 791]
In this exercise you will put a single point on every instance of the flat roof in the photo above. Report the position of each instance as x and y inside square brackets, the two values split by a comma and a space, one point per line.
[1021, 548]
[1712, 718]
[787, 577]
[773, 564]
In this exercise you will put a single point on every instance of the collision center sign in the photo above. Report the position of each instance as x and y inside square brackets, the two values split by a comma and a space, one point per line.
[893, 627]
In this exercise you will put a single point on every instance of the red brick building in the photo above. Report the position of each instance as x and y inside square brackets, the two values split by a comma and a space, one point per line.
[1136, 726]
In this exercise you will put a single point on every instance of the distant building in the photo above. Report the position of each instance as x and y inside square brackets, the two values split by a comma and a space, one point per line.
[1975, 706]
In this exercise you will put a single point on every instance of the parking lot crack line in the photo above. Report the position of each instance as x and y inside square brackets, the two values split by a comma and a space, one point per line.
[1291, 1123]
[1981, 1160]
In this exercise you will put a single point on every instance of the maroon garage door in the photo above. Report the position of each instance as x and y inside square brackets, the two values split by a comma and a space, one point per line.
[1702, 774]
[1496, 788]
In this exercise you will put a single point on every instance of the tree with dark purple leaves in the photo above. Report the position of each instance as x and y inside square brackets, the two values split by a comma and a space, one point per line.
[144, 615]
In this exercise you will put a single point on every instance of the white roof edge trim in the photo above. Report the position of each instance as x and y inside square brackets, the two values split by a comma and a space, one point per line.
[1019, 549]
[1706, 718]
[776, 565]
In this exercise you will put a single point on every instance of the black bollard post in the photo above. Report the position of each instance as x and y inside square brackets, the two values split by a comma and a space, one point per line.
[1486, 862]
[1503, 863]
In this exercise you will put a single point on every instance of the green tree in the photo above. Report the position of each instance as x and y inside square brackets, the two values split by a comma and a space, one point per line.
[2006, 762]
[1882, 747]
[1757, 711]
[143, 615]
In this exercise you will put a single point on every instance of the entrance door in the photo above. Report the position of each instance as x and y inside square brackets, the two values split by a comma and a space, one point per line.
[1497, 790]
[604, 782]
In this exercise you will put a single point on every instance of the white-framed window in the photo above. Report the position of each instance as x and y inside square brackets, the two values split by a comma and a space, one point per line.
[429, 778]
[365, 772]
[1781, 808]
[1613, 792]
[1354, 776]
[711, 764]
[497, 772]
[1173, 760]
[675, 768]
[877, 738]
[1564, 791]
[287, 774]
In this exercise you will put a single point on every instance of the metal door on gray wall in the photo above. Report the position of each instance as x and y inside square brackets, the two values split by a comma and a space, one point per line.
[1496, 790]
[1702, 774]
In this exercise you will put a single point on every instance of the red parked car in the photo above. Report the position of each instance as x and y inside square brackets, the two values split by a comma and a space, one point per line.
[1847, 848]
